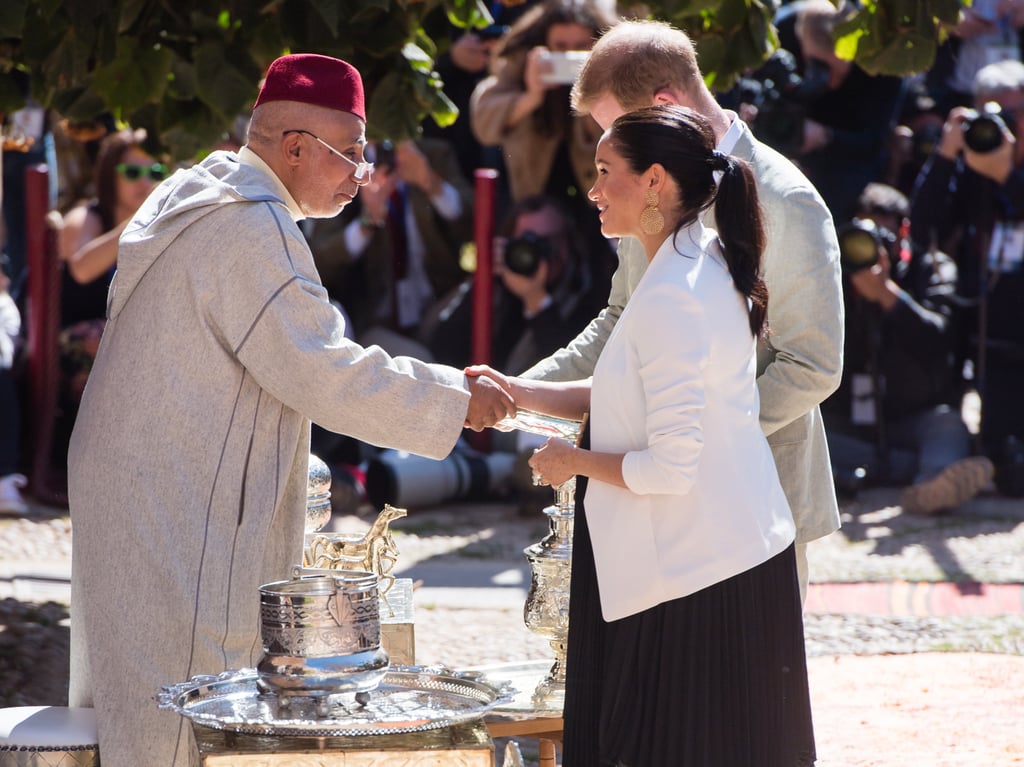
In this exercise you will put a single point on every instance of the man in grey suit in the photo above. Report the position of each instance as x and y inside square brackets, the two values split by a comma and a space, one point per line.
[640, 63]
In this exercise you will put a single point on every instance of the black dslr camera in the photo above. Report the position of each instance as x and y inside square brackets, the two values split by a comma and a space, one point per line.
[859, 241]
[523, 254]
[983, 132]
[781, 97]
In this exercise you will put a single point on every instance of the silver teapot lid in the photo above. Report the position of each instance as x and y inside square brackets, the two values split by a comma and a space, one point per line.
[318, 495]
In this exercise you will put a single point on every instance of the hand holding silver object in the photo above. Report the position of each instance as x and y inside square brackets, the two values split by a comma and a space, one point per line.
[538, 480]
[544, 425]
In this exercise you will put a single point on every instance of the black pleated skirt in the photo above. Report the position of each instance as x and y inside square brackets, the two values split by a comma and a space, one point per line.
[714, 679]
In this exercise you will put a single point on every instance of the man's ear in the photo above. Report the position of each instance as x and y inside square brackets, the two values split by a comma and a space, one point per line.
[665, 97]
[291, 148]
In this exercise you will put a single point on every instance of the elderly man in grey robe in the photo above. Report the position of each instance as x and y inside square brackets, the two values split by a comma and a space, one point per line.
[188, 461]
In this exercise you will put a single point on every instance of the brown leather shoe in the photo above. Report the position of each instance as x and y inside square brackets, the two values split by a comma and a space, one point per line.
[957, 483]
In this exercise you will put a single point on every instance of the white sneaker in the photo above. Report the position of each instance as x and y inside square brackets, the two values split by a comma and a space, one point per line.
[11, 501]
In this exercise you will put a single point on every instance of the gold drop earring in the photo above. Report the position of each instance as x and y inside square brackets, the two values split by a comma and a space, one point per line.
[651, 220]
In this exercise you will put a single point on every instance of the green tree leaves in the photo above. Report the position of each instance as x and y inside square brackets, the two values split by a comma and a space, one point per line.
[184, 70]
[730, 35]
[895, 36]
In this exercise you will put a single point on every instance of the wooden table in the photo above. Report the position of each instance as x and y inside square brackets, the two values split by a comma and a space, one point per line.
[462, 745]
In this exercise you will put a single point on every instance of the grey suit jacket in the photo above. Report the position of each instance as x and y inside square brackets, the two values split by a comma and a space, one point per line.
[800, 365]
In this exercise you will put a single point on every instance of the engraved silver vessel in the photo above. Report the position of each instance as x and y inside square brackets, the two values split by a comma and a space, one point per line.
[321, 636]
[546, 611]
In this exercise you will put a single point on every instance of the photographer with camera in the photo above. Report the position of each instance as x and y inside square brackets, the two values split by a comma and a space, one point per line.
[847, 114]
[392, 257]
[523, 107]
[895, 418]
[548, 288]
[969, 199]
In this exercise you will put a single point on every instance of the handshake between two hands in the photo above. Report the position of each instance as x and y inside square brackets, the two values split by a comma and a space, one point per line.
[490, 399]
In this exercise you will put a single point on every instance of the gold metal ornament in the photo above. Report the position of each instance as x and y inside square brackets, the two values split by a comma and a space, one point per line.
[374, 552]
[651, 220]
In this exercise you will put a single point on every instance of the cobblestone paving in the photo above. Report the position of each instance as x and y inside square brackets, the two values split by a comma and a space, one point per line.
[982, 541]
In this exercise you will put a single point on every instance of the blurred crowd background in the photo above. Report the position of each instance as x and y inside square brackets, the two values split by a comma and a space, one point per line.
[923, 174]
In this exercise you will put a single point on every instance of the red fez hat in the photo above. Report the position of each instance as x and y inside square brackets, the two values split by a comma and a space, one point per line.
[314, 79]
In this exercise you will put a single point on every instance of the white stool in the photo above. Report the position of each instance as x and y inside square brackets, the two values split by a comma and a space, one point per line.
[48, 736]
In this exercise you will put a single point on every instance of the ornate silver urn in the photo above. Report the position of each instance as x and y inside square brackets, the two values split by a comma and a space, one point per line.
[321, 629]
[321, 636]
[546, 611]
[547, 603]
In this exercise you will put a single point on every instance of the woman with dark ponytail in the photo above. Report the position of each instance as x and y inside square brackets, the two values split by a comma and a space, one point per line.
[640, 138]
[685, 626]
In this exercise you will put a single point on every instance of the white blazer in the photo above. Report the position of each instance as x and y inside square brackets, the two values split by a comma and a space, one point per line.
[674, 389]
[801, 362]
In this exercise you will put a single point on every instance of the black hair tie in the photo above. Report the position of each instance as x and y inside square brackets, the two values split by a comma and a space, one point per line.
[719, 161]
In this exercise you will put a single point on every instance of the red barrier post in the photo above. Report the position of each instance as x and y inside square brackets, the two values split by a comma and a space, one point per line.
[483, 292]
[42, 328]
[37, 203]
[486, 185]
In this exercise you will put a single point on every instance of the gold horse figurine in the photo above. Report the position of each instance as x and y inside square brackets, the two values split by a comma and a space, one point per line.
[373, 552]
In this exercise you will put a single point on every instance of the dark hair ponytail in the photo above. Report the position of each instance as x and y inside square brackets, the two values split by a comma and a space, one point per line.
[738, 217]
[682, 141]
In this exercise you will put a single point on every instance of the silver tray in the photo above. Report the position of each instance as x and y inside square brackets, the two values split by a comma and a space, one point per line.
[409, 699]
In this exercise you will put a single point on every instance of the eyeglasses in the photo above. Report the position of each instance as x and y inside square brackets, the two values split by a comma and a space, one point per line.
[132, 172]
[363, 171]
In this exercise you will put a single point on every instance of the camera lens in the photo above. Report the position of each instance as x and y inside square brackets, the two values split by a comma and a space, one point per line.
[983, 134]
[407, 480]
[858, 245]
[523, 254]
[984, 131]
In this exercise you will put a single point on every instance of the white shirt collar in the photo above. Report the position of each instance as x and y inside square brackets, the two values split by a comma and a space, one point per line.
[248, 157]
[728, 142]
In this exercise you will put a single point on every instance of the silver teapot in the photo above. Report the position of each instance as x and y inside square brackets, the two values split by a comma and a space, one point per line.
[321, 636]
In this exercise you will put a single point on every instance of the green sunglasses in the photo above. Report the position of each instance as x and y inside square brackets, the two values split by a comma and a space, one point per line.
[156, 171]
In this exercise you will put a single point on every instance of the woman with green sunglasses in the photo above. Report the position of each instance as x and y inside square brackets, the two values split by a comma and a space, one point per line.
[124, 175]
[133, 172]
